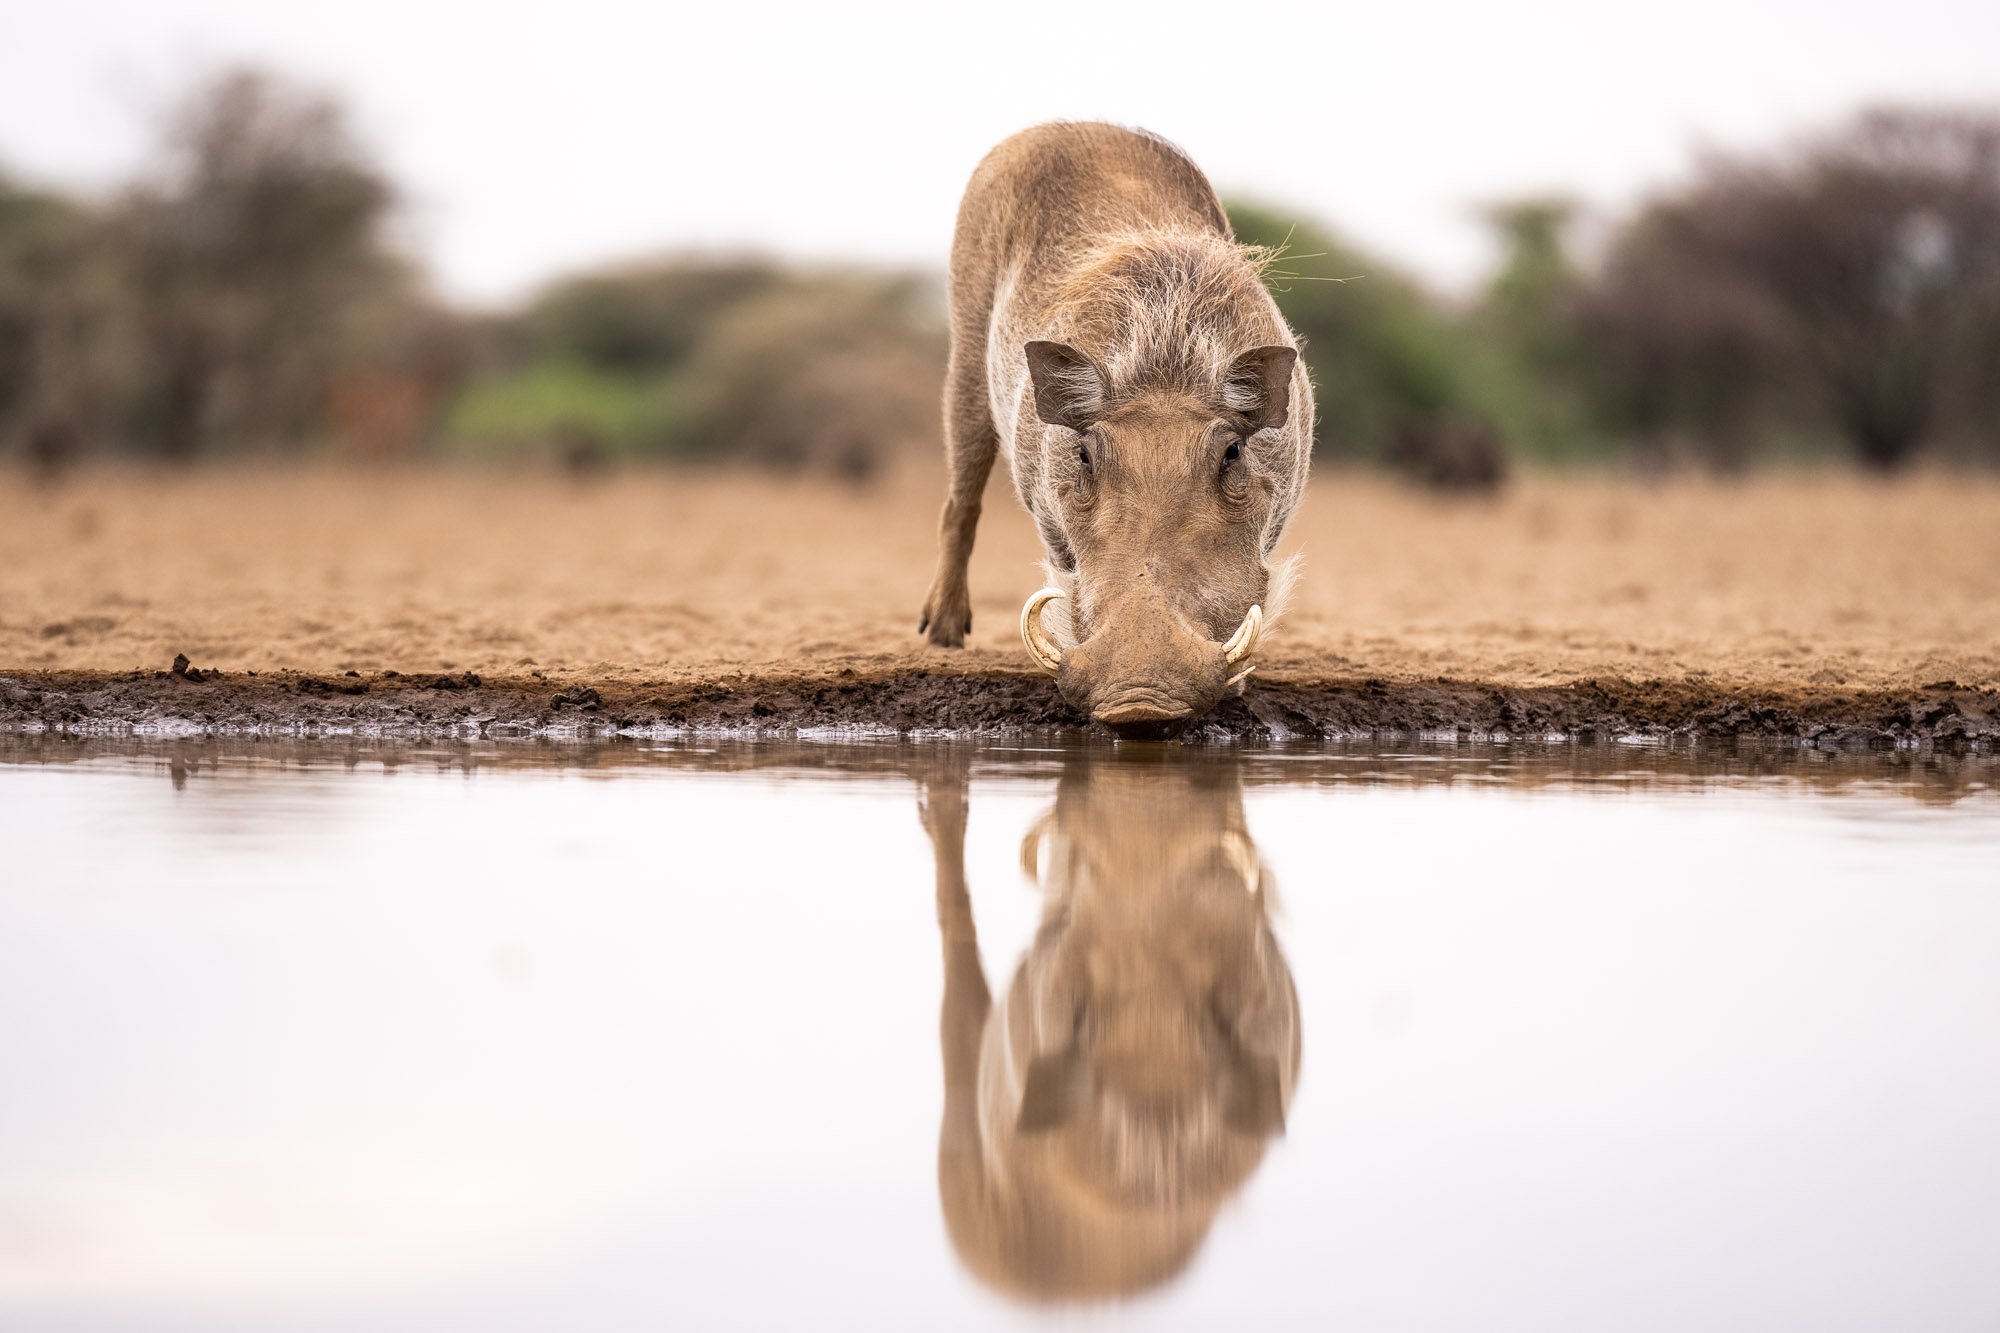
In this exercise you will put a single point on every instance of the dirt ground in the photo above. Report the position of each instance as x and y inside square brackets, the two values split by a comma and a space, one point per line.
[1566, 604]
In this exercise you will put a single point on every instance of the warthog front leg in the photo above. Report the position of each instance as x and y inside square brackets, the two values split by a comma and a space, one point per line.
[970, 443]
[941, 800]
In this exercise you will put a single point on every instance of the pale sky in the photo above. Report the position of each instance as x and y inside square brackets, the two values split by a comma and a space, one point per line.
[534, 140]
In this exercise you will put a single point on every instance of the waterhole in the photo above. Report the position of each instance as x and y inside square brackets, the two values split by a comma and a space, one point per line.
[901, 1036]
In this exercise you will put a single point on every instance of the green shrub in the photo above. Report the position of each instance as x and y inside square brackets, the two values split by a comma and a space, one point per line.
[561, 405]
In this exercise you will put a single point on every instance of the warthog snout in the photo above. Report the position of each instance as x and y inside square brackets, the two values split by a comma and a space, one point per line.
[1144, 672]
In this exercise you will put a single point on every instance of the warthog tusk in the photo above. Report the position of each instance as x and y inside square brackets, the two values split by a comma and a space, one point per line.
[1244, 641]
[1241, 854]
[1031, 848]
[1040, 647]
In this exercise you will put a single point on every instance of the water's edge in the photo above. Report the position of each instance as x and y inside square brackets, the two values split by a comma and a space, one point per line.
[908, 703]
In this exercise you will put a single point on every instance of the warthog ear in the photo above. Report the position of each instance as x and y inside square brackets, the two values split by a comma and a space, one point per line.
[1258, 386]
[1070, 389]
[1055, 1089]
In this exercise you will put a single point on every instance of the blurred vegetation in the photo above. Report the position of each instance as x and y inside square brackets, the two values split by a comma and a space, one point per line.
[213, 304]
[562, 402]
[1400, 377]
[1846, 295]
[1840, 299]
[835, 372]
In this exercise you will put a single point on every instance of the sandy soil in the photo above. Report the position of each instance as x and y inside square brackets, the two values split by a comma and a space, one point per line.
[1816, 595]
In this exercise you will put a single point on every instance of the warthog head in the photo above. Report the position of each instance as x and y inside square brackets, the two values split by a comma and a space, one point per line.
[1164, 502]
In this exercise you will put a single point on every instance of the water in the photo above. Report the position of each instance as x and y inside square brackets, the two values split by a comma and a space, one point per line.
[505, 1038]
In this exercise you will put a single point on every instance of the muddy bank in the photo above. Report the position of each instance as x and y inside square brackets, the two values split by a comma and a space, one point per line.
[189, 700]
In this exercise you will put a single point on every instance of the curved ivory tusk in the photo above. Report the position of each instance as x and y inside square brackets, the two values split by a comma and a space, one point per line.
[1244, 641]
[1040, 647]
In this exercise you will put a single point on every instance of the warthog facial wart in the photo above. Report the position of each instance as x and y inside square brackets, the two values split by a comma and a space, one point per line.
[1115, 342]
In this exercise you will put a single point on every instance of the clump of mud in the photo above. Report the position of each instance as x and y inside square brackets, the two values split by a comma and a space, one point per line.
[190, 701]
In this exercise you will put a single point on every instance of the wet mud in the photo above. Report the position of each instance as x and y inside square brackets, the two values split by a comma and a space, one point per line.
[190, 700]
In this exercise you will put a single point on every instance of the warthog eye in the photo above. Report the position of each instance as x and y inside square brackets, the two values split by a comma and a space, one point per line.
[1231, 454]
[1083, 457]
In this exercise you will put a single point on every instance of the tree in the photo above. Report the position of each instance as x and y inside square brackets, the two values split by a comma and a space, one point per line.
[1529, 318]
[58, 318]
[249, 254]
[1860, 274]
[1535, 282]
[1680, 353]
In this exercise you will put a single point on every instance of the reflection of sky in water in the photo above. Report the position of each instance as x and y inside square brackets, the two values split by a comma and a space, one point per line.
[521, 1050]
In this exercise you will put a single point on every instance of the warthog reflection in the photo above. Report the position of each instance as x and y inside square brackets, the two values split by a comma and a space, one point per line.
[1125, 1085]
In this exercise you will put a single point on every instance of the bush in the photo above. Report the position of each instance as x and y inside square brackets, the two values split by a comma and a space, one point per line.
[642, 318]
[565, 409]
[831, 371]
[838, 373]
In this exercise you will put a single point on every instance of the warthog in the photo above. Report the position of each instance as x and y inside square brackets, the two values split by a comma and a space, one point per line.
[1113, 339]
[1100, 1113]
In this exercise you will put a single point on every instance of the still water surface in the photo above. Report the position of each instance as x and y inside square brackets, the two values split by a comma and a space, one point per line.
[329, 1038]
